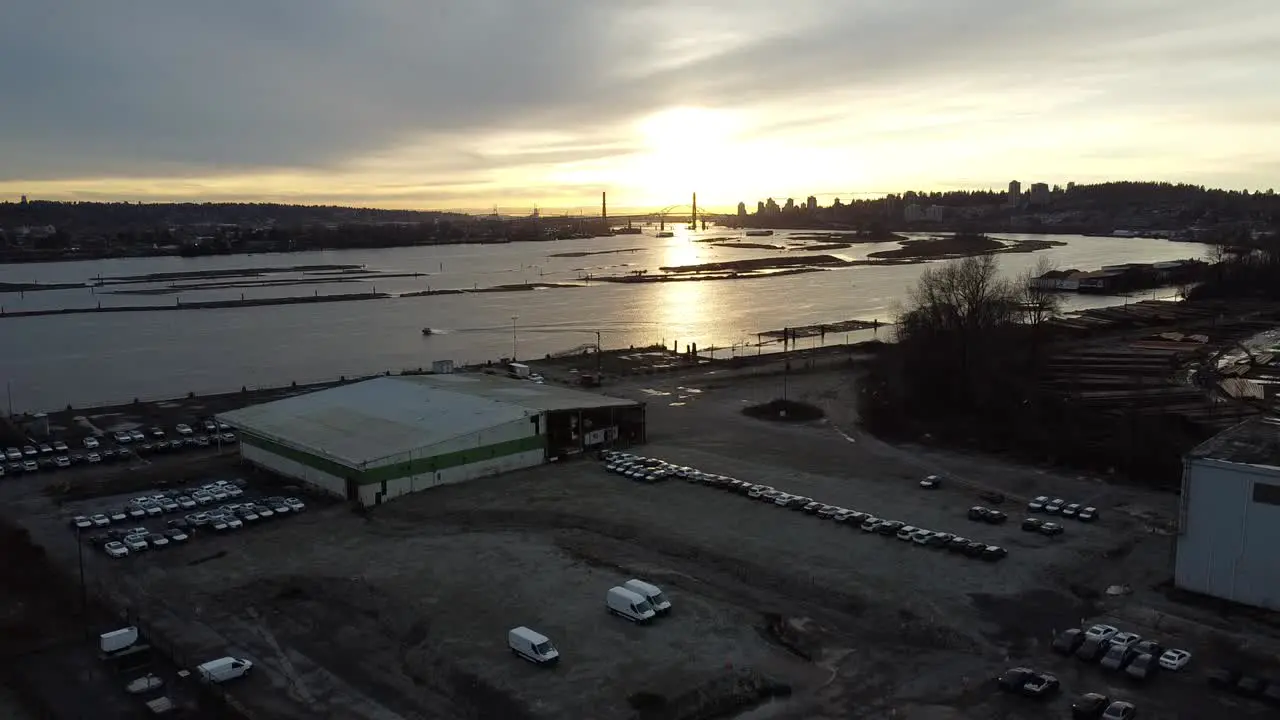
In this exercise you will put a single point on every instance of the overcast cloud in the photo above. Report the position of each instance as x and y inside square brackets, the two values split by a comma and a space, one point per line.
[474, 102]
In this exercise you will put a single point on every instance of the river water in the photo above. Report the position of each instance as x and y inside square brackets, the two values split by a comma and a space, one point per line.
[91, 359]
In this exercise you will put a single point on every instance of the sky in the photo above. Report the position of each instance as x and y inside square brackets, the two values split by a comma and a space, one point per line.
[472, 104]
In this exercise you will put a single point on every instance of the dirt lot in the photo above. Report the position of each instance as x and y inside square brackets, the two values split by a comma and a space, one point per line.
[403, 613]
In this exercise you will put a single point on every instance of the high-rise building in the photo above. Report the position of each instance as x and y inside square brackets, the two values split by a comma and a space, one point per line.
[791, 204]
[811, 203]
[1039, 194]
[742, 209]
[760, 207]
[770, 206]
[1015, 193]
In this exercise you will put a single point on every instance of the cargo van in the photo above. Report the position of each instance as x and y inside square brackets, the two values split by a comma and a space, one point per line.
[650, 592]
[629, 604]
[117, 640]
[224, 669]
[532, 646]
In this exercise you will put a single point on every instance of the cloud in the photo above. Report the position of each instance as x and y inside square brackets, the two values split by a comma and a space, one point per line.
[449, 98]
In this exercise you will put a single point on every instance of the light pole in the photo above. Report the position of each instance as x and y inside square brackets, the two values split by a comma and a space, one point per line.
[515, 341]
[598, 349]
[84, 593]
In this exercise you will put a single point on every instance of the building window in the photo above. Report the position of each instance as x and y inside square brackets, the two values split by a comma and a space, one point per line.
[1264, 493]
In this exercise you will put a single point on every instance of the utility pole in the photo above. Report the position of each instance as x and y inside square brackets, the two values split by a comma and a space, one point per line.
[598, 349]
[514, 338]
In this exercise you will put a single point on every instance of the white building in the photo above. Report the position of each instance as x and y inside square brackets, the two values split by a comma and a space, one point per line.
[374, 440]
[1229, 520]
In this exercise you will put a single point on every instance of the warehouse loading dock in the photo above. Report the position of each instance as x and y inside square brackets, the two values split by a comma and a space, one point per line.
[378, 439]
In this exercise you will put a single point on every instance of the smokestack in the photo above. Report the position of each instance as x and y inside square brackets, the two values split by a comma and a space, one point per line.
[604, 206]
[693, 219]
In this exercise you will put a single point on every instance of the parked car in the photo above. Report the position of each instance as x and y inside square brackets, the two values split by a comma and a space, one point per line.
[93, 458]
[1041, 685]
[1012, 680]
[1087, 514]
[1117, 657]
[829, 511]
[1068, 641]
[60, 447]
[157, 540]
[932, 482]
[122, 437]
[1126, 639]
[1071, 510]
[1051, 529]
[1143, 666]
[29, 451]
[1037, 505]
[1120, 710]
[994, 553]
[1089, 706]
[136, 543]
[1174, 659]
[1032, 524]
[137, 436]
[100, 520]
[81, 522]
[62, 462]
[13, 454]
[46, 449]
[183, 429]
[1102, 632]
[1054, 506]
[1092, 649]
[117, 515]
[116, 549]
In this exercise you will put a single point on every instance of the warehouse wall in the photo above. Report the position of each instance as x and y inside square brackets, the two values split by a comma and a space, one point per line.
[287, 467]
[510, 446]
[1228, 533]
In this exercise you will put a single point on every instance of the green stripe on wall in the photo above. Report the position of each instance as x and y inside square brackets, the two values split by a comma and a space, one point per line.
[444, 461]
[415, 466]
[312, 461]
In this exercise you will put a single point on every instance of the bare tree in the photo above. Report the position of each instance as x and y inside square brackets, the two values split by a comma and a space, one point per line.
[1039, 301]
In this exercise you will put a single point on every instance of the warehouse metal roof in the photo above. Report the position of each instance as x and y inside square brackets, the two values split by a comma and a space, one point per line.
[388, 416]
[1252, 442]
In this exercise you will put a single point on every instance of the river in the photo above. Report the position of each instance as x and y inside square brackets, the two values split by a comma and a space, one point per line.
[93, 359]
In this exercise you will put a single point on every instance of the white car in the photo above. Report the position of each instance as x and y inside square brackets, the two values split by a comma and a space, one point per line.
[118, 515]
[1038, 504]
[13, 454]
[61, 447]
[183, 429]
[168, 505]
[932, 482]
[1102, 632]
[158, 540]
[906, 531]
[1126, 639]
[1174, 659]
[263, 511]
[91, 443]
[116, 549]
[122, 437]
[295, 504]
[62, 461]
[93, 457]
[137, 436]
[185, 502]
[202, 497]
[137, 511]
[81, 522]
[136, 543]
[232, 521]
[152, 509]
[921, 537]
[100, 520]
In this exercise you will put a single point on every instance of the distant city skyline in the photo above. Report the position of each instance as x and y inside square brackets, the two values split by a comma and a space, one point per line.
[397, 105]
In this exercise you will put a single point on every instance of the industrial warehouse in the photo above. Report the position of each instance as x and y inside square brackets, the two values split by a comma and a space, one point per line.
[374, 440]
[1230, 525]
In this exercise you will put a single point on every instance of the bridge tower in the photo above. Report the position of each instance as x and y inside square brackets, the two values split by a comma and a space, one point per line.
[604, 206]
[693, 217]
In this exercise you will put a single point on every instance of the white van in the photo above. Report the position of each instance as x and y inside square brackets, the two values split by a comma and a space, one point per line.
[629, 604]
[117, 640]
[650, 592]
[224, 669]
[532, 646]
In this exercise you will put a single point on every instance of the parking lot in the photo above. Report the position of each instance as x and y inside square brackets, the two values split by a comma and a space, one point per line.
[65, 450]
[405, 610]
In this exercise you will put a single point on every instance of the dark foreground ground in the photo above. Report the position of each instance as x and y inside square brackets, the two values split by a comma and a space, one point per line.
[402, 613]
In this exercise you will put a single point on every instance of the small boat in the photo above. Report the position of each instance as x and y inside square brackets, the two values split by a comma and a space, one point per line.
[666, 233]
[428, 331]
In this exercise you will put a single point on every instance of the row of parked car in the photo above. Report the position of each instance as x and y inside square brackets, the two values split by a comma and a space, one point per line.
[1041, 686]
[1062, 508]
[654, 470]
[1120, 652]
[121, 541]
[58, 455]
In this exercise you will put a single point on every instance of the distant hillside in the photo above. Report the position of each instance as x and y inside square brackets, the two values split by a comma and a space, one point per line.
[114, 217]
